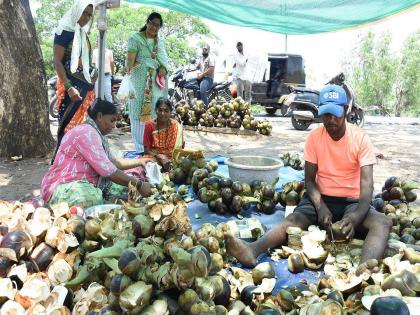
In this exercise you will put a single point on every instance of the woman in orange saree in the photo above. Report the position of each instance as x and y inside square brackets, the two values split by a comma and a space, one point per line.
[163, 134]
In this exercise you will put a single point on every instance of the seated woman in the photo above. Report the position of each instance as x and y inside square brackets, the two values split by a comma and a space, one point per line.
[84, 170]
[162, 135]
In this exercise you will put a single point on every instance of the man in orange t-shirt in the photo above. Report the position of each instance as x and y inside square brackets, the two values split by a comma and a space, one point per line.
[339, 160]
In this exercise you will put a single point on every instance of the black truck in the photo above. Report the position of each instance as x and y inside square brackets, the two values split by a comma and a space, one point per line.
[285, 70]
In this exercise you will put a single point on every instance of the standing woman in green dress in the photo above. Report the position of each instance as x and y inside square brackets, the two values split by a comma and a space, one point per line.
[147, 63]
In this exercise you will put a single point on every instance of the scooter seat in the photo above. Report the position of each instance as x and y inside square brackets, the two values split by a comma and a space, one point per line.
[220, 85]
[305, 90]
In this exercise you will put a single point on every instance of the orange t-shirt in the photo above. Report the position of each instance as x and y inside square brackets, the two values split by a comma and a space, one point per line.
[339, 162]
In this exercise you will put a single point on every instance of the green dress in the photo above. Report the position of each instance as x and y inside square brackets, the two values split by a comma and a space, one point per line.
[143, 108]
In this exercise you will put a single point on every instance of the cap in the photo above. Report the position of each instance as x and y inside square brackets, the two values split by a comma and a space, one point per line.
[332, 99]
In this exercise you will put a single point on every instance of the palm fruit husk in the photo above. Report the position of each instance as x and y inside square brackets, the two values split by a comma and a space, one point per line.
[405, 281]
[236, 307]
[295, 263]
[114, 251]
[187, 299]
[396, 193]
[410, 196]
[129, 263]
[292, 198]
[339, 236]
[200, 307]
[388, 208]
[378, 204]
[294, 235]
[261, 271]
[136, 296]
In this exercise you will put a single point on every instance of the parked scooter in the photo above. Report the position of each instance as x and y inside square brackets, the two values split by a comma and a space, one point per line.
[52, 96]
[186, 86]
[303, 105]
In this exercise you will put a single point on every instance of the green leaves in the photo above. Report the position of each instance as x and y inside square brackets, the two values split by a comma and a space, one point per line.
[383, 79]
[182, 32]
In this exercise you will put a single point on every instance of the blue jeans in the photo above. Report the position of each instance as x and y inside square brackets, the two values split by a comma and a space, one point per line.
[107, 87]
[205, 85]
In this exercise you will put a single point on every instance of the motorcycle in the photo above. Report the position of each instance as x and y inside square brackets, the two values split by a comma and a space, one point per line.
[115, 85]
[303, 105]
[52, 96]
[186, 86]
[52, 93]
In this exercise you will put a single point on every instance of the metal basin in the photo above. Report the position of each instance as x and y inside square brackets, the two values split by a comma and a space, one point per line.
[250, 167]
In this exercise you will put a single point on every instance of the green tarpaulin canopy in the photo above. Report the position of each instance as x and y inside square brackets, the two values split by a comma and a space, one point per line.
[288, 16]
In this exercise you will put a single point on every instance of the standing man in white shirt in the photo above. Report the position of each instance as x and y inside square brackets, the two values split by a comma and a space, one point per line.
[109, 69]
[243, 82]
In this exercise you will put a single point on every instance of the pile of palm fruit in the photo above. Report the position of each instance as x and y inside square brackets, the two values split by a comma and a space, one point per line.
[185, 168]
[222, 195]
[292, 160]
[234, 114]
[292, 193]
[394, 201]
[144, 258]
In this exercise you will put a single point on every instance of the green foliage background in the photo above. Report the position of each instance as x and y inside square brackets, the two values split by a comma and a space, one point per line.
[182, 33]
[386, 82]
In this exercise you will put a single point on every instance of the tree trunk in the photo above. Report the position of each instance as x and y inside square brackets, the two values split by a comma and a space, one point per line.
[24, 118]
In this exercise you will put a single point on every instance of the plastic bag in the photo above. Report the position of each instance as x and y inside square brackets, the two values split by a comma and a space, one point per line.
[126, 91]
[153, 173]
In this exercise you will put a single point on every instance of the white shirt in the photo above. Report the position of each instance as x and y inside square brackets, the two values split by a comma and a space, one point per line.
[109, 58]
[240, 61]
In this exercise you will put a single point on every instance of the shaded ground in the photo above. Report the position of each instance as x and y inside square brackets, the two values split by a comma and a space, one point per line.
[397, 138]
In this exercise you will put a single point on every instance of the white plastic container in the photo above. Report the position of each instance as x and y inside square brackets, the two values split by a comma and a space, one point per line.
[247, 168]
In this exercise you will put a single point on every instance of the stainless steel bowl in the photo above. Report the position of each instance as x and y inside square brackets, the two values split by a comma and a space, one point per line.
[247, 168]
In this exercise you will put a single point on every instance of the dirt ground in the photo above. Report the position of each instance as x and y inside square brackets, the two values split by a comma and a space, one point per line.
[396, 138]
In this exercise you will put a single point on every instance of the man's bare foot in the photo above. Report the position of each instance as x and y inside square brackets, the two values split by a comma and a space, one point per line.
[369, 266]
[241, 250]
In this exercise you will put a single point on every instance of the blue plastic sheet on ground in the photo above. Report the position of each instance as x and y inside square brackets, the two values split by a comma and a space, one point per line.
[200, 214]
[131, 154]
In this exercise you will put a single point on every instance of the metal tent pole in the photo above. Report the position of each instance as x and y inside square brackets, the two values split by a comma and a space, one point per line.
[285, 42]
[102, 27]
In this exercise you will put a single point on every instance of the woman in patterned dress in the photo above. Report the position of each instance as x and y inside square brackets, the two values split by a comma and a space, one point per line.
[84, 172]
[147, 63]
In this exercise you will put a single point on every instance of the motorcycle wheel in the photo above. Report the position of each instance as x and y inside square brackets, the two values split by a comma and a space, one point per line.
[300, 124]
[52, 108]
[357, 117]
[270, 110]
[221, 96]
[284, 109]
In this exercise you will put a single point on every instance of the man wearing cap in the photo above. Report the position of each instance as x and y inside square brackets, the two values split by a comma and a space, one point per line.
[206, 75]
[339, 160]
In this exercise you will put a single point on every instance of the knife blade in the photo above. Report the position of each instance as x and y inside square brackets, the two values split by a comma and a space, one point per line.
[334, 247]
